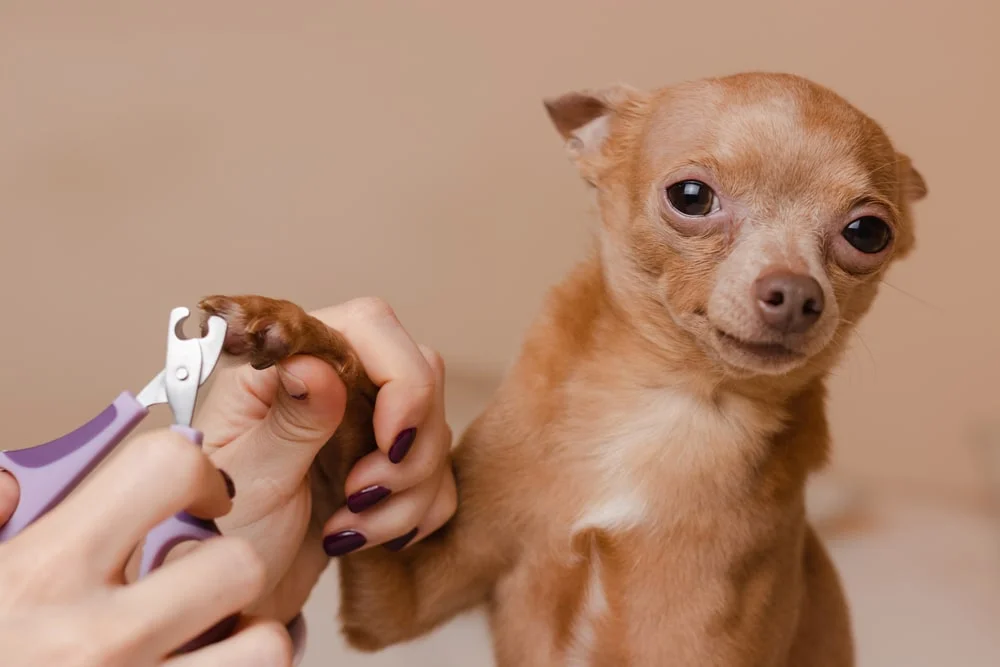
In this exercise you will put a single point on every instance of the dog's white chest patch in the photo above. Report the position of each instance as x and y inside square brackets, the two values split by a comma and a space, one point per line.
[620, 512]
[641, 459]
[663, 435]
[624, 510]
[595, 605]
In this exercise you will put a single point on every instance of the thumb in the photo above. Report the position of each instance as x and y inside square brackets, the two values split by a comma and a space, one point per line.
[307, 408]
[309, 404]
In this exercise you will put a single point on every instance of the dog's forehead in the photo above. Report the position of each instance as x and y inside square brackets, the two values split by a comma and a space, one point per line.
[770, 136]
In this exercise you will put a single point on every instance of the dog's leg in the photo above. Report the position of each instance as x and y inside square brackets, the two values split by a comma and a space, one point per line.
[386, 597]
[824, 637]
[390, 598]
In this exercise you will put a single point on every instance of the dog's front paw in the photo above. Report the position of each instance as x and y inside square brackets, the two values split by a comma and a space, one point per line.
[269, 330]
[266, 330]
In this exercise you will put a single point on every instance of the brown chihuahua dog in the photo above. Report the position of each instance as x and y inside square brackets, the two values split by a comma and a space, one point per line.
[634, 493]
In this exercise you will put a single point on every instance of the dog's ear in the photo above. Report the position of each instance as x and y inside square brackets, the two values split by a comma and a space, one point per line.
[913, 185]
[912, 188]
[584, 120]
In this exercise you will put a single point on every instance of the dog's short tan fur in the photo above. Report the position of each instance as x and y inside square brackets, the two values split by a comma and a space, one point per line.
[633, 494]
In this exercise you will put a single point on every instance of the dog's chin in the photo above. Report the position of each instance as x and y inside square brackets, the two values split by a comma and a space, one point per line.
[747, 357]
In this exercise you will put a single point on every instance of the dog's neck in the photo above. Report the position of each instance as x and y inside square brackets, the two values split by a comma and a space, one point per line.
[649, 392]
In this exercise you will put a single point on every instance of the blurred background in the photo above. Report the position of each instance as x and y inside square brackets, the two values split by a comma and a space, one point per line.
[151, 153]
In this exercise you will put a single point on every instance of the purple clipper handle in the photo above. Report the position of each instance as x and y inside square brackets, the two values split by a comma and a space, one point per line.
[179, 528]
[48, 473]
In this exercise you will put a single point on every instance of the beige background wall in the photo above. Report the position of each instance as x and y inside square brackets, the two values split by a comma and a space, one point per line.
[154, 152]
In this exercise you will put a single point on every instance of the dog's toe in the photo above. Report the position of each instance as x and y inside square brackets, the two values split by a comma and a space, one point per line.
[258, 327]
[270, 342]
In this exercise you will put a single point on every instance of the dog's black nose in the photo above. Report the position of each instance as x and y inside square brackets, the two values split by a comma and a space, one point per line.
[788, 302]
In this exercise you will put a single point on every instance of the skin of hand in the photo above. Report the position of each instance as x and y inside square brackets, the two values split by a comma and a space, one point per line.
[265, 428]
[64, 599]
[267, 440]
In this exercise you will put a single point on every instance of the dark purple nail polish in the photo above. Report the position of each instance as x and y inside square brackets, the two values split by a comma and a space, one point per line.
[300, 397]
[262, 365]
[343, 542]
[401, 447]
[230, 485]
[400, 542]
[366, 498]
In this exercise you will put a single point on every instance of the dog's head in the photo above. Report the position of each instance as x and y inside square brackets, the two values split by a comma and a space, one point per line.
[748, 218]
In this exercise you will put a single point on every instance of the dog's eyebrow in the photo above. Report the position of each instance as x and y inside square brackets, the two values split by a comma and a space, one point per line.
[702, 162]
[716, 171]
[876, 200]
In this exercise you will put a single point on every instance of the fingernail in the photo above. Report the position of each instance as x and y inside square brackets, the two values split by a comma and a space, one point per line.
[366, 498]
[400, 542]
[230, 485]
[343, 542]
[295, 387]
[261, 365]
[402, 445]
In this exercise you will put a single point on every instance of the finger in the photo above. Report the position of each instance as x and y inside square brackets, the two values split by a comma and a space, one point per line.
[153, 477]
[397, 517]
[240, 398]
[441, 510]
[436, 364]
[258, 643]
[279, 448]
[374, 477]
[9, 495]
[344, 540]
[394, 363]
[183, 598]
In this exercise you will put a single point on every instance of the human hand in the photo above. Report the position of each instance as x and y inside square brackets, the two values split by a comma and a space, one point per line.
[266, 428]
[64, 599]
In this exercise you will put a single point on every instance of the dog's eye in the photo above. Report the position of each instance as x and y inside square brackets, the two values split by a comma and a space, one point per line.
[868, 234]
[692, 198]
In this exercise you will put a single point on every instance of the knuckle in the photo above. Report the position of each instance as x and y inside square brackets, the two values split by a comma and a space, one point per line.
[113, 642]
[424, 467]
[272, 645]
[434, 360]
[294, 426]
[247, 564]
[445, 505]
[371, 308]
[415, 517]
[422, 390]
[172, 454]
[26, 574]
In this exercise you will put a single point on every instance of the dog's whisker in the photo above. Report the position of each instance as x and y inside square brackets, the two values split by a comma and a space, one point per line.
[911, 295]
[891, 163]
[868, 349]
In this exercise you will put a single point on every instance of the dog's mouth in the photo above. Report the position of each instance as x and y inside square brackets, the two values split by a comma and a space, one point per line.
[766, 352]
